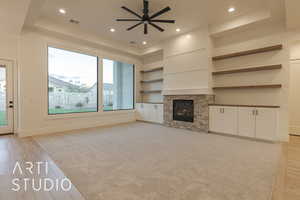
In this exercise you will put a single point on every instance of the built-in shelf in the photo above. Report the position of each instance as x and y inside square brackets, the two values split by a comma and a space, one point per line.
[152, 102]
[152, 81]
[252, 69]
[152, 70]
[239, 105]
[150, 91]
[248, 87]
[248, 52]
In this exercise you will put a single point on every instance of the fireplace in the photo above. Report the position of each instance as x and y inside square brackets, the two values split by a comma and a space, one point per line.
[187, 111]
[183, 110]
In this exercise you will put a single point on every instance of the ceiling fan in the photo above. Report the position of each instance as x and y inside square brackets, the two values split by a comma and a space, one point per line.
[147, 19]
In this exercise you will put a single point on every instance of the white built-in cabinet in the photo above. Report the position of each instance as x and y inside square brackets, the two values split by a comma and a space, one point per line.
[252, 122]
[223, 120]
[150, 112]
[266, 123]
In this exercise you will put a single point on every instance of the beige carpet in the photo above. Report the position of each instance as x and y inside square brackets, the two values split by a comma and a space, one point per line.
[142, 161]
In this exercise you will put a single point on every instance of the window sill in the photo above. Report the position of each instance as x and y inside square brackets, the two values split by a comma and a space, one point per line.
[88, 115]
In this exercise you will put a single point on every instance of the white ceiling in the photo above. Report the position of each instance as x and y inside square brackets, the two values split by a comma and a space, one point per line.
[98, 16]
[12, 15]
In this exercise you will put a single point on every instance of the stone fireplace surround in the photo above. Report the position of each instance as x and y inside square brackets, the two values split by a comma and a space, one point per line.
[201, 112]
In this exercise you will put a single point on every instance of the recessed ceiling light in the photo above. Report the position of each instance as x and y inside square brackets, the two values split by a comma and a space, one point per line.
[178, 30]
[188, 36]
[112, 30]
[62, 11]
[232, 9]
[144, 43]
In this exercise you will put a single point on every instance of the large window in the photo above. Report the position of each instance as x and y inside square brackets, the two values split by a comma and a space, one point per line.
[72, 82]
[118, 85]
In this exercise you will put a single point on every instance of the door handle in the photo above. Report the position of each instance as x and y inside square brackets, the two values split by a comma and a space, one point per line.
[255, 112]
[11, 104]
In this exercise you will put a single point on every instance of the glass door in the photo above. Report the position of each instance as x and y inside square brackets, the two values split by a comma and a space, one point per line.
[6, 98]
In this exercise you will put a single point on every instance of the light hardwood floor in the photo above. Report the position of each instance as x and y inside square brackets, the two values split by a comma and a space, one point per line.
[12, 150]
[287, 186]
[292, 177]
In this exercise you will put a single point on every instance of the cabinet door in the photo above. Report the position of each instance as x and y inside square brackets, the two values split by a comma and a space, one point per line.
[215, 119]
[147, 112]
[153, 113]
[160, 113]
[229, 121]
[266, 123]
[139, 111]
[246, 122]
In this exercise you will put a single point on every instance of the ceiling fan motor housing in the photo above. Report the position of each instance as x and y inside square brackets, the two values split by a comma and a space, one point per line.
[146, 18]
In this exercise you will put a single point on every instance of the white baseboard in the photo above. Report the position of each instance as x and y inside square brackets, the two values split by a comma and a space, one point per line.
[76, 126]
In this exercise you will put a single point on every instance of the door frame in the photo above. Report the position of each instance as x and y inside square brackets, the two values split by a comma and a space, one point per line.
[294, 129]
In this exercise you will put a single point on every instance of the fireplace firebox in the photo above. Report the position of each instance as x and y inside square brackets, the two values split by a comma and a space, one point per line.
[183, 110]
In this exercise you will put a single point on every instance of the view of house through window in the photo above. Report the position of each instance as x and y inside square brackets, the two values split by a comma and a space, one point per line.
[72, 82]
[118, 85]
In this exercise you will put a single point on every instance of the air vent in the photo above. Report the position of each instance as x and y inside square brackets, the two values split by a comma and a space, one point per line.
[73, 21]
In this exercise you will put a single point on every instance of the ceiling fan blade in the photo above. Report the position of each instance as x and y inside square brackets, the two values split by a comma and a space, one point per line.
[164, 21]
[161, 12]
[145, 29]
[129, 20]
[157, 27]
[132, 12]
[130, 28]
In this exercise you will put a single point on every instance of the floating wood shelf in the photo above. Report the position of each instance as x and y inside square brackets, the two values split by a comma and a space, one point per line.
[153, 81]
[252, 69]
[249, 87]
[152, 70]
[249, 52]
[239, 105]
[150, 91]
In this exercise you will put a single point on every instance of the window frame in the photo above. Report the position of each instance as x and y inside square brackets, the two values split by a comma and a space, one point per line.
[133, 87]
[74, 51]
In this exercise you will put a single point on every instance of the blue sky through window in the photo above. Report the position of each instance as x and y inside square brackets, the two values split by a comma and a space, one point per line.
[72, 66]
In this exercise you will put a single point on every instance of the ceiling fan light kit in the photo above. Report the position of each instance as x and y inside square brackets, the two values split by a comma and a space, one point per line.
[147, 19]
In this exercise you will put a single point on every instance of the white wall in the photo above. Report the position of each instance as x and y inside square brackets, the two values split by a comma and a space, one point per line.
[8, 47]
[187, 63]
[261, 36]
[33, 118]
[8, 52]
